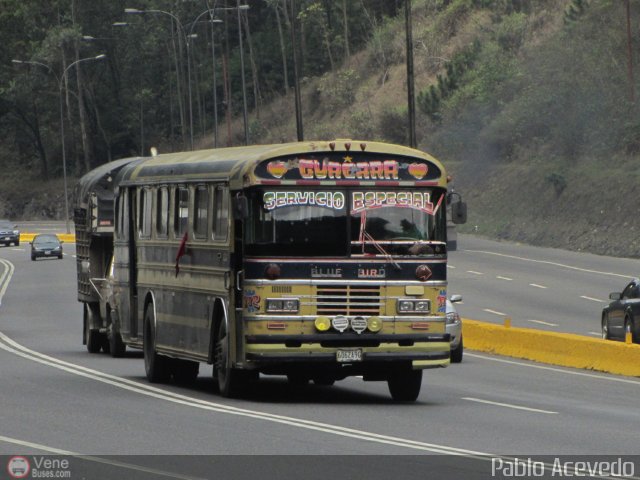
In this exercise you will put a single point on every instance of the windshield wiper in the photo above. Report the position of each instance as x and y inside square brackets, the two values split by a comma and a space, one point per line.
[366, 237]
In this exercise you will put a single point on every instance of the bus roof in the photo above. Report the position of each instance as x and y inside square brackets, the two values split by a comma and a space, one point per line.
[100, 180]
[239, 165]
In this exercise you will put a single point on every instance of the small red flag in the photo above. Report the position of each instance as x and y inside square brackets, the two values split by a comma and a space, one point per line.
[182, 250]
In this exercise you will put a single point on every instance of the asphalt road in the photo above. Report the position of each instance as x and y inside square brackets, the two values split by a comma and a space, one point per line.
[540, 288]
[57, 398]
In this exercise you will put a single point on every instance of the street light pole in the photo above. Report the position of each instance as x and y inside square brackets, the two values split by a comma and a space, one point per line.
[60, 80]
[244, 87]
[411, 101]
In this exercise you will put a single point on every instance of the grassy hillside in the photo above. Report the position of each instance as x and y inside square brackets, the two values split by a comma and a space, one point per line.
[527, 102]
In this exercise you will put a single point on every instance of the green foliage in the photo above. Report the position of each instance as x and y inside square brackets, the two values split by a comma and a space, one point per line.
[429, 101]
[558, 181]
[337, 90]
[575, 10]
[393, 125]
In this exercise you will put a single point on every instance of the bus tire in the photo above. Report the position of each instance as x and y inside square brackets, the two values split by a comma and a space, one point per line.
[117, 348]
[156, 366]
[232, 382]
[404, 384]
[92, 337]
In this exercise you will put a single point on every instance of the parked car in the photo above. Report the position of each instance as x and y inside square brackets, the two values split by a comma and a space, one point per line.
[619, 317]
[46, 245]
[454, 328]
[9, 233]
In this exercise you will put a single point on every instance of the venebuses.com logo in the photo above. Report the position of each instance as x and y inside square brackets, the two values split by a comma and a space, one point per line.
[18, 467]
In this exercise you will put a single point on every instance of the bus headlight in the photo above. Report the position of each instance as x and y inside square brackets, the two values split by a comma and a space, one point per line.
[374, 324]
[283, 305]
[413, 306]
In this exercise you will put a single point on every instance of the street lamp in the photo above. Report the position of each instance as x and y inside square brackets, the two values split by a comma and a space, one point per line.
[61, 80]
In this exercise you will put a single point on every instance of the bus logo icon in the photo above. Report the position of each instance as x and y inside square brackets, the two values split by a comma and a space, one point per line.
[18, 467]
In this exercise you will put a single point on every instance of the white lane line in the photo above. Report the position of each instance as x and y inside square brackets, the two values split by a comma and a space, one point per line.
[592, 299]
[451, 267]
[495, 313]
[545, 262]
[11, 346]
[554, 369]
[535, 285]
[57, 451]
[474, 272]
[543, 323]
[504, 278]
[508, 405]
[597, 334]
[5, 277]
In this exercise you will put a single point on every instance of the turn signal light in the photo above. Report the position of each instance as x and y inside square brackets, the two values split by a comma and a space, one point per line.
[374, 324]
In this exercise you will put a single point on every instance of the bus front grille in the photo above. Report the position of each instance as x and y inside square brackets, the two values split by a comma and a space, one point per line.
[348, 300]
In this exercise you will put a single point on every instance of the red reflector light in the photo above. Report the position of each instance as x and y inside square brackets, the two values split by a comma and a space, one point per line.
[276, 325]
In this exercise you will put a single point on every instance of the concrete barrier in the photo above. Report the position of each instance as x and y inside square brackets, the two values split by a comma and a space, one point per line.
[65, 237]
[562, 349]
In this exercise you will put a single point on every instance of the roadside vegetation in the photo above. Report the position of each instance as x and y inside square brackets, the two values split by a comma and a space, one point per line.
[528, 102]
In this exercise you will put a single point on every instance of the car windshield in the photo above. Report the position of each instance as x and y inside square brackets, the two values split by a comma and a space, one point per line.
[343, 223]
[46, 241]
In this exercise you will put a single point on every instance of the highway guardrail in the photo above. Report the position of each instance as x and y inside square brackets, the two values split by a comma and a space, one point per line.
[562, 349]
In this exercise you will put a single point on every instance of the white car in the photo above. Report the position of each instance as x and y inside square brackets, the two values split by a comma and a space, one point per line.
[454, 328]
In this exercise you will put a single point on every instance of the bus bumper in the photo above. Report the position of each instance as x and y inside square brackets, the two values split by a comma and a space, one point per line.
[422, 352]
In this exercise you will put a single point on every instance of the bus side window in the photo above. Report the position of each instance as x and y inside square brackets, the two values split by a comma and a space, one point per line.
[181, 211]
[201, 202]
[162, 212]
[144, 219]
[220, 214]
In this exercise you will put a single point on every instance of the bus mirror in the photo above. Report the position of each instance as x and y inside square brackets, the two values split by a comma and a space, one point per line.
[241, 207]
[459, 212]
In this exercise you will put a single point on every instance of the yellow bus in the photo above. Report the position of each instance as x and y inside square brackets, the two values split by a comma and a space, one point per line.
[314, 260]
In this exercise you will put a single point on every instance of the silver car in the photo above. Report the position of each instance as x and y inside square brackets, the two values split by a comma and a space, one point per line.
[454, 328]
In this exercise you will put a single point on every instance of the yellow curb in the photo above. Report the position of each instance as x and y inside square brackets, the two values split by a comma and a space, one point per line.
[562, 349]
[65, 237]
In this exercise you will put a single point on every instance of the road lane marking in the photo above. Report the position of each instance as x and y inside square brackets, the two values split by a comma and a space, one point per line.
[543, 323]
[597, 334]
[495, 313]
[451, 267]
[545, 262]
[474, 272]
[592, 299]
[553, 369]
[536, 285]
[508, 405]
[91, 458]
[11, 346]
[499, 277]
[7, 273]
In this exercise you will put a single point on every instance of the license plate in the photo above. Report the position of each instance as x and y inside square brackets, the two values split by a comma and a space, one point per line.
[354, 355]
[47, 253]
[7, 238]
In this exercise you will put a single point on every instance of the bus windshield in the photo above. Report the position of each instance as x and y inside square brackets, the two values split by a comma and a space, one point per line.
[344, 222]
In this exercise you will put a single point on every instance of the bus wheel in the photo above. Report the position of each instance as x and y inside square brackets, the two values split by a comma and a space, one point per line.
[404, 384]
[117, 347]
[92, 338]
[156, 366]
[231, 382]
